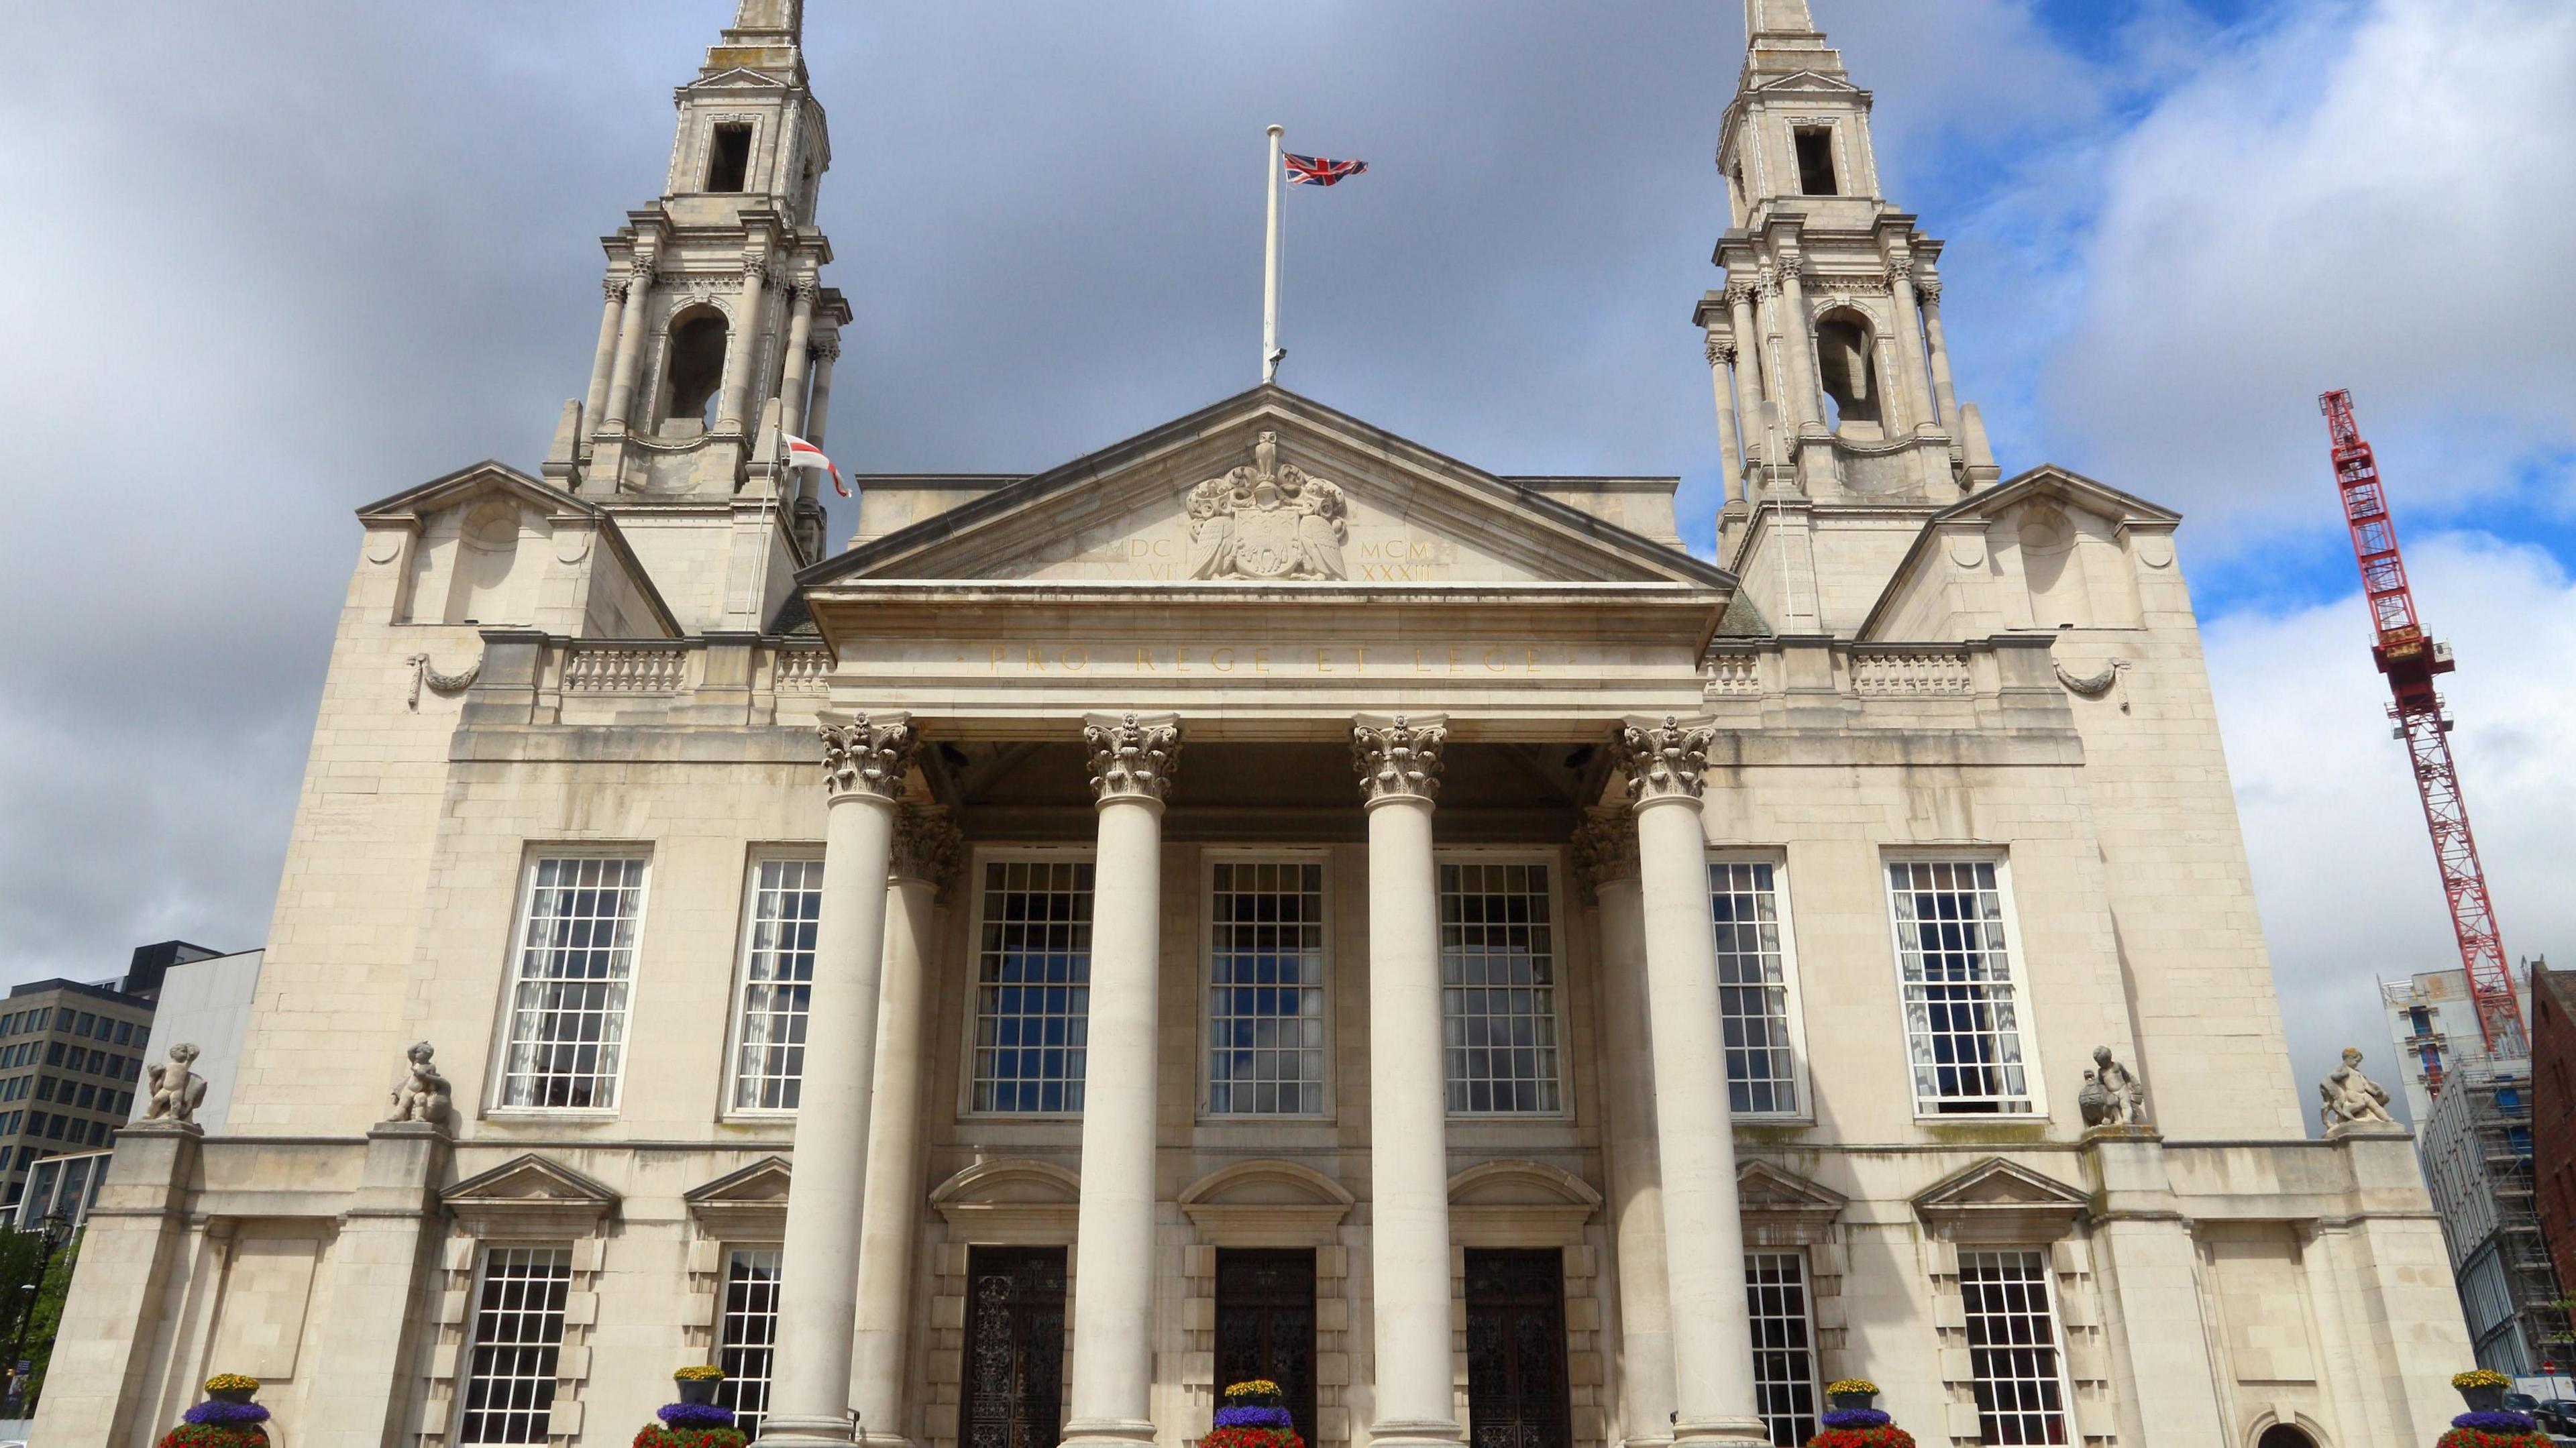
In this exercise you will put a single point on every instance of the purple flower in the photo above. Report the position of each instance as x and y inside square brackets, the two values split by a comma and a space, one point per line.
[1855, 1418]
[2497, 1422]
[1253, 1417]
[696, 1415]
[217, 1413]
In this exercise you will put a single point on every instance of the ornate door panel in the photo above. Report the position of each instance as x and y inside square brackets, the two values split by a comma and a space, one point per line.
[1014, 1376]
[1265, 1324]
[1517, 1395]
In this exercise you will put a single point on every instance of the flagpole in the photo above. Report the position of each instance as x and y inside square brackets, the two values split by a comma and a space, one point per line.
[1270, 269]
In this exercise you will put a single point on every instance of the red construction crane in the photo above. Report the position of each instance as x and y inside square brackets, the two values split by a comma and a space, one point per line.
[2410, 660]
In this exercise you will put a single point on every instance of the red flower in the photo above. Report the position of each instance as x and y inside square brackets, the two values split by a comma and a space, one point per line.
[2481, 1438]
[657, 1436]
[1888, 1436]
[215, 1435]
[1252, 1438]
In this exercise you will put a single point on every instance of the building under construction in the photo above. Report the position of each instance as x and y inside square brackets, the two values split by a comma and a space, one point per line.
[2473, 1115]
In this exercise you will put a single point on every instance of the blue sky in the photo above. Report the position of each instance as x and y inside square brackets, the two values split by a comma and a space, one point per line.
[298, 256]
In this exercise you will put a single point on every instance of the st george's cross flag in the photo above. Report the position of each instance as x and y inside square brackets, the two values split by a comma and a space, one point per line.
[1318, 171]
[803, 454]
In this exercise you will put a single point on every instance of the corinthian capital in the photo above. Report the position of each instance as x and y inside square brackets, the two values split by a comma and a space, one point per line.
[1721, 348]
[1398, 757]
[1767, 283]
[1605, 848]
[613, 288]
[825, 347]
[804, 288]
[1132, 756]
[1928, 291]
[755, 265]
[866, 754]
[1663, 760]
[1741, 293]
[926, 846]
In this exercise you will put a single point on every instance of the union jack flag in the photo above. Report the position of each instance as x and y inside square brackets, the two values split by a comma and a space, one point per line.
[1317, 171]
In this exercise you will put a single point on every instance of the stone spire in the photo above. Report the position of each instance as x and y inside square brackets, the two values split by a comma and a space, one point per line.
[1832, 374]
[765, 36]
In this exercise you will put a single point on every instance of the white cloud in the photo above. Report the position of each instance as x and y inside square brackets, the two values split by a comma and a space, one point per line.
[2374, 198]
[2342, 864]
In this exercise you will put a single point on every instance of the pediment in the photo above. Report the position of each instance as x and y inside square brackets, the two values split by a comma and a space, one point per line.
[1268, 488]
[467, 484]
[1267, 1203]
[1807, 80]
[2064, 486]
[530, 1195]
[744, 1205]
[736, 78]
[1010, 1199]
[2049, 505]
[1783, 1209]
[1517, 1203]
[1998, 1200]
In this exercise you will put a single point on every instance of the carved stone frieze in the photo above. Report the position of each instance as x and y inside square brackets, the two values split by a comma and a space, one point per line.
[1663, 760]
[1605, 849]
[1268, 521]
[927, 845]
[1398, 757]
[867, 754]
[1132, 756]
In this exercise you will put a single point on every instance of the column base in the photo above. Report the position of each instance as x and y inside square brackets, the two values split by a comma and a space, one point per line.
[1691, 1432]
[1106, 1433]
[782, 1430]
[869, 1439]
[1415, 1433]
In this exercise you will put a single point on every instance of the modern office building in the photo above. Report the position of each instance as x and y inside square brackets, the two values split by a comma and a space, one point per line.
[71, 1060]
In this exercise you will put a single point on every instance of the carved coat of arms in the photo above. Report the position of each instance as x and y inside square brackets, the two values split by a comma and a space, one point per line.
[1268, 521]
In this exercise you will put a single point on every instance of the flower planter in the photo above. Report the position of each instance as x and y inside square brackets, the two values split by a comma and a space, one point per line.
[1843, 1401]
[698, 1390]
[243, 1395]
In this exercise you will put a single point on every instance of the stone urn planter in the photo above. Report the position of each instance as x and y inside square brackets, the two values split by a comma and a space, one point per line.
[231, 1388]
[1845, 1394]
[2483, 1389]
[697, 1390]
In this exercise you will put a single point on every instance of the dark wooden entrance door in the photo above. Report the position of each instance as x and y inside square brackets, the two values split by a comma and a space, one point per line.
[1265, 1324]
[1014, 1376]
[1517, 1396]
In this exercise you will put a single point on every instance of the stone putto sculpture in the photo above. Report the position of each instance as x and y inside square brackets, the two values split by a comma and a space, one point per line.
[2351, 1097]
[176, 1090]
[2112, 1095]
[424, 1095]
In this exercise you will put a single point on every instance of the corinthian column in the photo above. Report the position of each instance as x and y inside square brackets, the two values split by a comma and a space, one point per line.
[1605, 860]
[791, 384]
[926, 850]
[1399, 766]
[1799, 330]
[735, 402]
[611, 314]
[864, 761]
[1909, 322]
[1694, 1137]
[1935, 345]
[1132, 759]
[1721, 360]
[620, 406]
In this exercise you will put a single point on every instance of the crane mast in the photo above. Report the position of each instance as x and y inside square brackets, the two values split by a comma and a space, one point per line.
[2409, 659]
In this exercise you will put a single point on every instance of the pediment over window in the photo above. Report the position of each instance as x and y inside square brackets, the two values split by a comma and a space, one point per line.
[530, 1196]
[1010, 1199]
[1270, 487]
[745, 1205]
[1518, 1203]
[1783, 1209]
[1267, 1203]
[2001, 1201]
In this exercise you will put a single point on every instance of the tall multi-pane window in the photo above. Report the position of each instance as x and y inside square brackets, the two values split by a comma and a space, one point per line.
[777, 978]
[1784, 1344]
[747, 1338]
[2012, 1347]
[568, 996]
[1266, 987]
[1753, 988]
[1962, 1017]
[1498, 988]
[518, 1335]
[1032, 985]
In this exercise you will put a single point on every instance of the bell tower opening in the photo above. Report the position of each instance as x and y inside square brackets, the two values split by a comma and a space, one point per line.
[1845, 345]
[729, 156]
[1816, 161]
[693, 367]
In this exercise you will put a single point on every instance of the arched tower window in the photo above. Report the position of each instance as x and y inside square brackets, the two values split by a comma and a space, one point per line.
[693, 367]
[2282, 1435]
[1845, 346]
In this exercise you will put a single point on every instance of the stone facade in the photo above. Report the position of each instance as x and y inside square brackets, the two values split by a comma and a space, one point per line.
[1280, 901]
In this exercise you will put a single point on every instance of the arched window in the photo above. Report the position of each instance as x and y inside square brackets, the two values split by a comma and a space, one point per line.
[2282, 1435]
[1844, 351]
[693, 366]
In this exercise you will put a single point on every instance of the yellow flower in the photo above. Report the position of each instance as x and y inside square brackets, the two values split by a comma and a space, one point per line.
[231, 1383]
[1256, 1387]
[1850, 1385]
[699, 1372]
[2481, 1378]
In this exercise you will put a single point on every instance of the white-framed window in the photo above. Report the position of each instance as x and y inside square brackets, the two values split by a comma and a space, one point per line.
[580, 923]
[747, 1334]
[1267, 962]
[1784, 1344]
[1962, 1000]
[1757, 988]
[2013, 1353]
[1032, 983]
[518, 1335]
[783, 903]
[1498, 999]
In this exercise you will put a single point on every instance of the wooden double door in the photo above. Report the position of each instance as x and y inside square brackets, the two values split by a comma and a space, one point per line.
[1518, 1394]
[1265, 1324]
[1013, 1382]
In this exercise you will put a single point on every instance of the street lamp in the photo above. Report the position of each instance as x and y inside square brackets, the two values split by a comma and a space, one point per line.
[56, 1231]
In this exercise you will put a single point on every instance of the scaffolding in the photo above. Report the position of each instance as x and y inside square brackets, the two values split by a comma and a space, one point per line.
[2477, 1158]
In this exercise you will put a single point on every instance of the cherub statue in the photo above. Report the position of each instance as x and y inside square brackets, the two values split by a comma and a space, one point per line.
[2112, 1095]
[176, 1090]
[424, 1095]
[2350, 1096]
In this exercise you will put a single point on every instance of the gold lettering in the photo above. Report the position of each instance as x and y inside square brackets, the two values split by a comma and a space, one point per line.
[1362, 663]
[1036, 662]
[1321, 666]
[1180, 660]
[1075, 659]
[1261, 658]
[1145, 661]
[1453, 661]
[1226, 666]
[1420, 667]
[1533, 662]
[997, 658]
[1491, 664]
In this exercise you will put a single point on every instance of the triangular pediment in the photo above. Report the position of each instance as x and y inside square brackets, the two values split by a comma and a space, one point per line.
[737, 78]
[532, 1179]
[483, 478]
[748, 1204]
[1763, 1187]
[1998, 1200]
[1807, 80]
[2062, 485]
[1269, 488]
